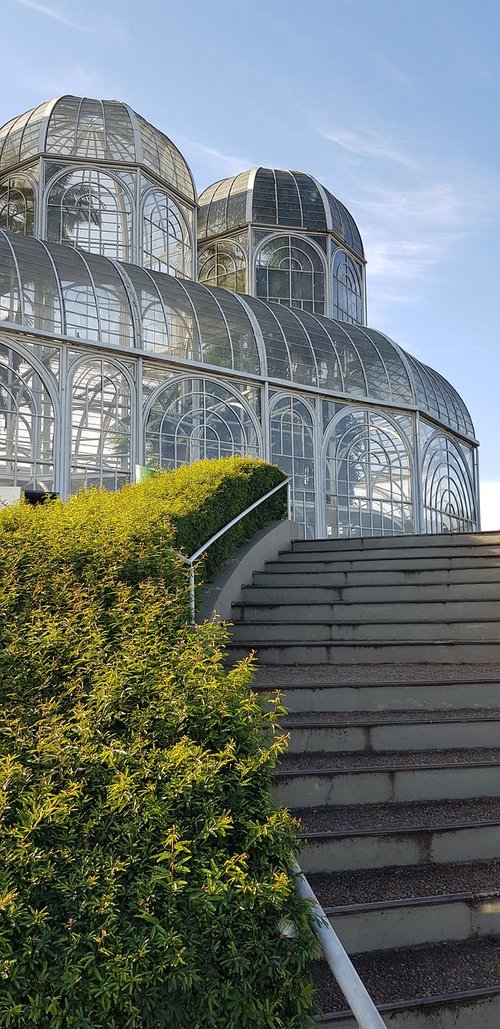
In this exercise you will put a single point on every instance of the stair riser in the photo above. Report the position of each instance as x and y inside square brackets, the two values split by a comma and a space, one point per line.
[398, 558]
[455, 540]
[406, 925]
[353, 612]
[414, 847]
[478, 1013]
[254, 633]
[374, 786]
[431, 697]
[413, 736]
[273, 587]
[388, 653]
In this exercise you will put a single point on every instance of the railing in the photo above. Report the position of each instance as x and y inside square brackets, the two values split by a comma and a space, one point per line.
[213, 539]
[355, 993]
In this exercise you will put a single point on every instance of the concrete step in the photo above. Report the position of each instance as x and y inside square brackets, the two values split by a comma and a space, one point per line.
[375, 562]
[389, 776]
[398, 731]
[365, 631]
[417, 651]
[358, 586]
[448, 985]
[378, 610]
[398, 907]
[456, 539]
[350, 837]
[299, 694]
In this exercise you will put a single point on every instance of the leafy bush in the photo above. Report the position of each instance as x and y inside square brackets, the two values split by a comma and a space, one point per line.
[143, 870]
[203, 497]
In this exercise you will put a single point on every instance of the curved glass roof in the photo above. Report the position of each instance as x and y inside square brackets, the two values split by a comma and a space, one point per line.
[269, 196]
[63, 291]
[93, 130]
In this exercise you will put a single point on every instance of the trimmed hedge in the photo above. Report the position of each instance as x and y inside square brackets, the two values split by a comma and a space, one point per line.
[143, 870]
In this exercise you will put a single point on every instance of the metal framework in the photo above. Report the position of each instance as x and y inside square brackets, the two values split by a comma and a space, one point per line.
[111, 354]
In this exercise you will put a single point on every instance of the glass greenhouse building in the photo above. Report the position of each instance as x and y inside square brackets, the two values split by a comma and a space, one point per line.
[141, 324]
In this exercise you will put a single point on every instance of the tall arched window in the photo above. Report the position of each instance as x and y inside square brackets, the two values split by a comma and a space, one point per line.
[448, 492]
[92, 210]
[198, 418]
[100, 426]
[368, 472]
[223, 264]
[347, 299]
[292, 448]
[26, 424]
[165, 238]
[290, 271]
[17, 205]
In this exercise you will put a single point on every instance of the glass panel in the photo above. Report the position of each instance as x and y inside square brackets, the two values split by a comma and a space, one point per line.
[26, 424]
[223, 264]
[17, 205]
[101, 427]
[198, 418]
[290, 271]
[369, 491]
[447, 488]
[292, 448]
[92, 210]
[165, 237]
[347, 299]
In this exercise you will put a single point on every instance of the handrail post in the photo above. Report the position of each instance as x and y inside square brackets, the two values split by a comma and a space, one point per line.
[192, 609]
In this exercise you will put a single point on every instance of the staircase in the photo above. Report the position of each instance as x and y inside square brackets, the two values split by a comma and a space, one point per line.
[388, 653]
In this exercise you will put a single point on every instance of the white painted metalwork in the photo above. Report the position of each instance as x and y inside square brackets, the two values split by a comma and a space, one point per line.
[355, 993]
[191, 561]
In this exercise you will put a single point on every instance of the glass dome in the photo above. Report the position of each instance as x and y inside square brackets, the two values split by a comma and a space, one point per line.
[94, 130]
[67, 292]
[274, 197]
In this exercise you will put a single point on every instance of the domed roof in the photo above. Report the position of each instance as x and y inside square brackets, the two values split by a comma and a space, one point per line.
[270, 196]
[58, 290]
[93, 130]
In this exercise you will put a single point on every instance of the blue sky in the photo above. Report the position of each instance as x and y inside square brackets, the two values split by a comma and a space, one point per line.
[392, 104]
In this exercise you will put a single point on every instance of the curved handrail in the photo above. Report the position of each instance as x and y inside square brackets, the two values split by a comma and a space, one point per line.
[213, 539]
[339, 962]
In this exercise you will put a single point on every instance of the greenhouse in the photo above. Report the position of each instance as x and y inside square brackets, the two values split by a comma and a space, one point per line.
[113, 355]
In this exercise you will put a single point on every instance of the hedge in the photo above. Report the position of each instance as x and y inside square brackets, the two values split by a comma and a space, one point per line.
[144, 873]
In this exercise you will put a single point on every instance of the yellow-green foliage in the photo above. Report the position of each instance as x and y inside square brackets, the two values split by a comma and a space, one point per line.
[143, 870]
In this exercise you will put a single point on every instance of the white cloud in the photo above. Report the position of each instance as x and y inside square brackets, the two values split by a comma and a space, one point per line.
[490, 505]
[367, 144]
[223, 164]
[105, 26]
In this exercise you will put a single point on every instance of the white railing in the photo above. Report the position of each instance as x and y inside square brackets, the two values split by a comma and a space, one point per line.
[213, 539]
[355, 993]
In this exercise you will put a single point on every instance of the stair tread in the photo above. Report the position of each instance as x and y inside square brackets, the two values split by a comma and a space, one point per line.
[431, 814]
[401, 882]
[397, 716]
[341, 761]
[375, 675]
[423, 971]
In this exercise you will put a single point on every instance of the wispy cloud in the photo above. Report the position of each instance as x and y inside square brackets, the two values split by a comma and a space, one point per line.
[390, 70]
[367, 144]
[220, 163]
[44, 82]
[106, 26]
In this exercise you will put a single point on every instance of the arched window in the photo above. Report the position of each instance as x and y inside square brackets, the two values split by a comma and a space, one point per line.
[26, 424]
[223, 264]
[368, 472]
[165, 238]
[17, 205]
[292, 448]
[100, 426]
[448, 493]
[92, 210]
[290, 271]
[198, 418]
[347, 299]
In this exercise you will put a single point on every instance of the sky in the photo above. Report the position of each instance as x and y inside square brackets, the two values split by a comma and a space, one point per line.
[392, 104]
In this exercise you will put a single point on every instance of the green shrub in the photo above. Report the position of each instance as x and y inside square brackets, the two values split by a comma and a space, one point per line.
[143, 870]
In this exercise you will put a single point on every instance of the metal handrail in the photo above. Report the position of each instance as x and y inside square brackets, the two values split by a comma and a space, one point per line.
[213, 539]
[354, 991]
